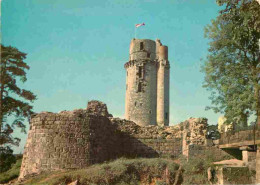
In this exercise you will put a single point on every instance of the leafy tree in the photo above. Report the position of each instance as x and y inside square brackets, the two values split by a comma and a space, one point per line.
[232, 67]
[13, 99]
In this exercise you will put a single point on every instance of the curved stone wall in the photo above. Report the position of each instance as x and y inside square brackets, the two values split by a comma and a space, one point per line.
[57, 141]
[163, 81]
[142, 49]
[147, 83]
[141, 82]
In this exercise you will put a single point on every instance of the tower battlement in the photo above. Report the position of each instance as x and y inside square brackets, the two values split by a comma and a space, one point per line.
[147, 83]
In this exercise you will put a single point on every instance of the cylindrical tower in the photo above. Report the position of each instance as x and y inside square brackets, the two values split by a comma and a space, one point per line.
[162, 84]
[141, 82]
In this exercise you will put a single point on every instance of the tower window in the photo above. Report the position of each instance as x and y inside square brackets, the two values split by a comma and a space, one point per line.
[139, 87]
[166, 115]
[140, 71]
[135, 103]
[148, 55]
[126, 86]
[141, 45]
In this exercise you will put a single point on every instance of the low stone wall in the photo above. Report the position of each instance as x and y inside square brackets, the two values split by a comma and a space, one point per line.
[234, 175]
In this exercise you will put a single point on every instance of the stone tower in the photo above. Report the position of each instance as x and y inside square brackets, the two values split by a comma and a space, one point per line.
[147, 83]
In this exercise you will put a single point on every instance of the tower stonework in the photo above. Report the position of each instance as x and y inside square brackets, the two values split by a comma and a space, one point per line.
[147, 83]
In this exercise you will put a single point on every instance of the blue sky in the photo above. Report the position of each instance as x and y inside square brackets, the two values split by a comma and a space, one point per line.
[77, 50]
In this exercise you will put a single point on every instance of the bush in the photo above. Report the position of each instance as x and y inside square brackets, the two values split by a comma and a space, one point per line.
[6, 158]
[11, 173]
[195, 169]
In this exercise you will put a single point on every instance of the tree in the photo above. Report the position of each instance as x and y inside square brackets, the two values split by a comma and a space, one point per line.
[232, 67]
[6, 158]
[13, 99]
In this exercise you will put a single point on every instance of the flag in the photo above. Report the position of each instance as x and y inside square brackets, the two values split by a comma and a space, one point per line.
[138, 25]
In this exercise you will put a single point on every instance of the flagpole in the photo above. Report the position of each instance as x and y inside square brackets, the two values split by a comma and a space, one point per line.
[135, 31]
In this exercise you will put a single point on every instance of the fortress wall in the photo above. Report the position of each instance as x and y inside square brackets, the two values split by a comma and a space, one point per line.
[77, 139]
[105, 140]
[150, 147]
[150, 141]
[56, 141]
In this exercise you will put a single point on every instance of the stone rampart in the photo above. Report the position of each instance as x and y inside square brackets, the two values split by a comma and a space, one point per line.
[57, 141]
[77, 139]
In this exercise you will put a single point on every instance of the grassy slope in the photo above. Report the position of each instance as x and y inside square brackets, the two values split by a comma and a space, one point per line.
[127, 171]
[121, 171]
[11, 173]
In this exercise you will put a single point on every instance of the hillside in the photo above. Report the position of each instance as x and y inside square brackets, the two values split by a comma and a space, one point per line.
[120, 171]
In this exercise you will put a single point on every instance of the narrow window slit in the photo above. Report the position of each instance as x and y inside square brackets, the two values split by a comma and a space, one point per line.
[141, 45]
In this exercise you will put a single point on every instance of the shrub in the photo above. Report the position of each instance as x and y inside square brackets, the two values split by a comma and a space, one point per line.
[11, 173]
[6, 158]
[195, 169]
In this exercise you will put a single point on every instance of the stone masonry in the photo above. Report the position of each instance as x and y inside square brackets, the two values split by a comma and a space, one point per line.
[79, 138]
[147, 83]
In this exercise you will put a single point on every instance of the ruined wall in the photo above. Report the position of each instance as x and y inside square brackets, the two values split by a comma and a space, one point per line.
[56, 141]
[150, 141]
[77, 139]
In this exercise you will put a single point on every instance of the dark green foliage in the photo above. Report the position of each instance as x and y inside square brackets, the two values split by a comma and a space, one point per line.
[232, 66]
[11, 173]
[13, 99]
[212, 132]
[6, 158]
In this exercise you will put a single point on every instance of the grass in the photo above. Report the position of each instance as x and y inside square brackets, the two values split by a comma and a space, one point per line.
[11, 173]
[121, 171]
